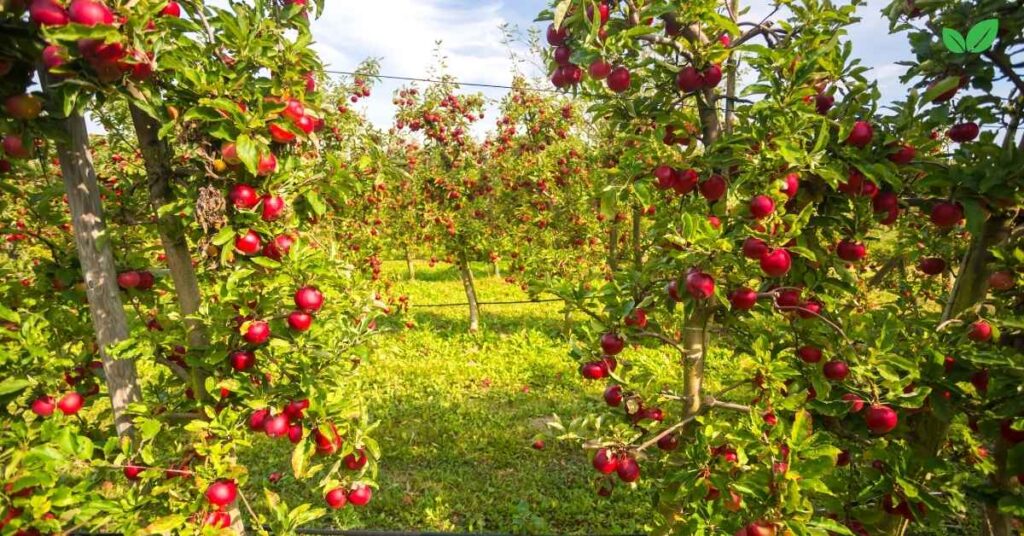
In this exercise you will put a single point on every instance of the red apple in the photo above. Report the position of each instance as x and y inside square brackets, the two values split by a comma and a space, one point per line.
[43, 406]
[980, 331]
[24, 107]
[249, 243]
[689, 79]
[257, 332]
[809, 354]
[71, 403]
[242, 360]
[713, 188]
[605, 462]
[300, 321]
[613, 395]
[618, 80]
[776, 263]
[336, 499]
[743, 299]
[761, 207]
[222, 492]
[946, 215]
[48, 13]
[836, 370]
[700, 285]
[612, 343]
[243, 196]
[309, 299]
[881, 419]
[860, 134]
[90, 13]
[273, 207]
[360, 495]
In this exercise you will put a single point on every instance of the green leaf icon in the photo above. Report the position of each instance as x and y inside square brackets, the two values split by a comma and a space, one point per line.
[981, 36]
[954, 41]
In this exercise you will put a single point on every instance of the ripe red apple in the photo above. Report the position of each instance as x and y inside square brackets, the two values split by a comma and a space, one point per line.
[754, 248]
[257, 333]
[222, 492]
[776, 263]
[713, 188]
[294, 110]
[964, 132]
[860, 135]
[605, 462]
[556, 36]
[711, 76]
[980, 331]
[836, 370]
[300, 321]
[295, 433]
[258, 419]
[306, 124]
[689, 79]
[809, 354]
[243, 196]
[851, 251]
[931, 265]
[613, 395]
[664, 177]
[280, 134]
[294, 410]
[336, 499]
[792, 181]
[881, 419]
[15, 147]
[599, 69]
[360, 495]
[90, 13]
[249, 243]
[618, 80]
[229, 153]
[685, 181]
[278, 247]
[172, 9]
[672, 289]
[129, 279]
[761, 207]
[273, 207]
[885, 202]
[637, 318]
[48, 13]
[1001, 280]
[612, 343]
[563, 55]
[242, 360]
[669, 442]
[71, 403]
[43, 406]
[594, 370]
[743, 299]
[24, 107]
[823, 103]
[700, 285]
[946, 215]
[132, 472]
[276, 425]
[267, 164]
[328, 442]
[788, 298]
[628, 470]
[309, 299]
[903, 155]
[1009, 433]
[355, 461]
[217, 519]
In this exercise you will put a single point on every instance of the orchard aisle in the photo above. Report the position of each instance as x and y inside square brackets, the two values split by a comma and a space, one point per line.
[458, 414]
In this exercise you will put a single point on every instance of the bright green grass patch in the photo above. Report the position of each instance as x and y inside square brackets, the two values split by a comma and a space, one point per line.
[459, 413]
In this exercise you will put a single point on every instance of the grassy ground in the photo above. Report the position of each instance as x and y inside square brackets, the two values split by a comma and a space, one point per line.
[459, 413]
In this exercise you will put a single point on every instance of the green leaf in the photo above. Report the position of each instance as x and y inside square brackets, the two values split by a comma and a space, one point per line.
[560, 12]
[300, 460]
[164, 525]
[224, 236]
[954, 41]
[13, 385]
[944, 85]
[981, 36]
[247, 152]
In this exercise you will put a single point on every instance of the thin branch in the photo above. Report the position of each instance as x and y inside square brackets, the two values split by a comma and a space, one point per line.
[830, 323]
[665, 432]
[178, 370]
[713, 403]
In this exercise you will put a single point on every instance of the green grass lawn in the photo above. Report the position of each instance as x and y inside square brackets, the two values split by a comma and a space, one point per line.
[459, 413]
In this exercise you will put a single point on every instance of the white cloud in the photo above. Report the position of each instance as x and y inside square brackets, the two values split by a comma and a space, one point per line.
[403, 34]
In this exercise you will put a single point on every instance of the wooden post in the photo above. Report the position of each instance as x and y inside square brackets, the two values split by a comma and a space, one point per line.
[409, 266]
[98, 269]
[467, 282]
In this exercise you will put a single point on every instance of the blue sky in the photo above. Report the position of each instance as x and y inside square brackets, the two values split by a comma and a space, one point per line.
[402, 33]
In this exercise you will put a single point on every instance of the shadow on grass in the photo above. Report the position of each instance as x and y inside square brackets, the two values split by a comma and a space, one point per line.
[495, 319]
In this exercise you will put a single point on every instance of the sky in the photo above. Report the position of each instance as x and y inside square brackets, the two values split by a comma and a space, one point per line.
[401, 34]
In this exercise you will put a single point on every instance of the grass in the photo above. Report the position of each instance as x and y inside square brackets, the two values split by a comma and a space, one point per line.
[459, 413]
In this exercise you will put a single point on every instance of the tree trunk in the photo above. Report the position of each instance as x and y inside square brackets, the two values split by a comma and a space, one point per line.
[969, 288]
[467, 282]
[497, 269]
[157, 157]
[695, 342]
[637, 248]
[996, 522]
[98, 269]
[410, 268]
[613, 247]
